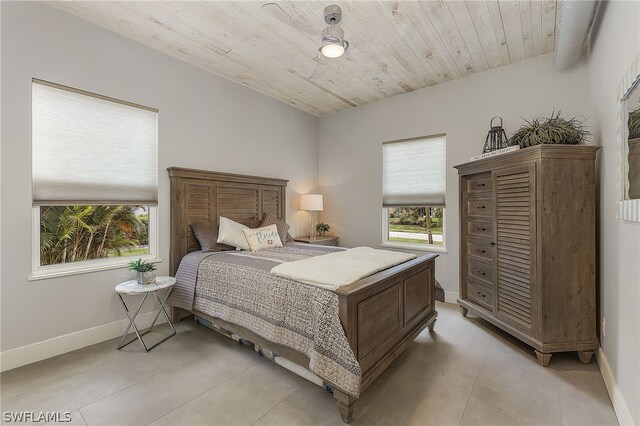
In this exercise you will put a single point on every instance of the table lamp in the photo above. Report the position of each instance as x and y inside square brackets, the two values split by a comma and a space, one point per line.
[313, 204]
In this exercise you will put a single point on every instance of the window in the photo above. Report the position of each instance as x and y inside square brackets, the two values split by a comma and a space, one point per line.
[94, 171]
[414, 186]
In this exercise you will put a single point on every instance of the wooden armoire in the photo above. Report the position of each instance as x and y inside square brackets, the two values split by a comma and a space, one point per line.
[528, 246]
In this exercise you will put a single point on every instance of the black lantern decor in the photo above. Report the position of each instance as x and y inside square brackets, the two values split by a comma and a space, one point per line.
[496, 138]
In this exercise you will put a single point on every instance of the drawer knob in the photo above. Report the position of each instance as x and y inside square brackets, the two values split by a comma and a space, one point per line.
[493, 244]
[482, 184]
[482, 273]
[481, 251]
[480, 294]
[481, 229]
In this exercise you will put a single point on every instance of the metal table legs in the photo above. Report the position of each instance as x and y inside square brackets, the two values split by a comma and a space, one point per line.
[132, 319]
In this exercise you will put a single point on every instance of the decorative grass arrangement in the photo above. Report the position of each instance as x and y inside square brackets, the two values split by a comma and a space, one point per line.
[141, 266]
[145, 269]
[634, 123]
[551, 130]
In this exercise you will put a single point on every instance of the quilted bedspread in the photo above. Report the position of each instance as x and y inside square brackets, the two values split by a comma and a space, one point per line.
[237, 287]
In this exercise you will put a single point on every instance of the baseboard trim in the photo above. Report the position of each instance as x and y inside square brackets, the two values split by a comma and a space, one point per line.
[451, 296]
[615, 394]
[14, 358]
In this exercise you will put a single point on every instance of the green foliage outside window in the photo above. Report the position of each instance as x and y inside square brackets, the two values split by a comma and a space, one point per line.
[416, 225]
[75, 233]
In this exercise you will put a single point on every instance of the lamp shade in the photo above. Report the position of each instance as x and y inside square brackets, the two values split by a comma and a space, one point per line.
[311, 202]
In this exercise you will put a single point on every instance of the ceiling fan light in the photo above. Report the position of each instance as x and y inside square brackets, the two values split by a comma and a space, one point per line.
[333, 43]
[333, 50]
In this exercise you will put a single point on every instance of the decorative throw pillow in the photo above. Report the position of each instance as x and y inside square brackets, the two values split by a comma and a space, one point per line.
[230, 233]
[283, 227]
[207, 236]
[254, 223]
[262, 238]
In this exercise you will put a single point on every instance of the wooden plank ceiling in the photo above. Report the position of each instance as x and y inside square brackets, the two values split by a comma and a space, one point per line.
[396, 46]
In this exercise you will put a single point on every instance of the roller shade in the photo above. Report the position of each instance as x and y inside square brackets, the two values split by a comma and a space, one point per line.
[414, 172]
[90, 149]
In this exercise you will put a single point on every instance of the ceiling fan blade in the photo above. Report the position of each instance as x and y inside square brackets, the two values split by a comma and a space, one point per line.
[320, 70]
[274, 10]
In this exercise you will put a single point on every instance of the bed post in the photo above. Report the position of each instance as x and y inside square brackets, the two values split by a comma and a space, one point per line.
[175, 248]
[176, 314]
[345, 404]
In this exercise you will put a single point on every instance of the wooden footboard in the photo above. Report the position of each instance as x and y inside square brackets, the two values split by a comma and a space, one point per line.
[383, 314]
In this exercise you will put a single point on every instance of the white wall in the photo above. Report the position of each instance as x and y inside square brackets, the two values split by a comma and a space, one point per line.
[205, 122]
[351, 153]
[210, 123]
[615, 42]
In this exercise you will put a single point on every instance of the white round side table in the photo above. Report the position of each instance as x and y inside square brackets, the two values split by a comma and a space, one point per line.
[132, 288]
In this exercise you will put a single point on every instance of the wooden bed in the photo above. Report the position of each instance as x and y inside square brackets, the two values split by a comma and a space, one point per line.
[381, 314]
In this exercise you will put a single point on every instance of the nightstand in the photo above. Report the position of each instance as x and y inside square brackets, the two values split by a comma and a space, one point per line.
[132, 288]
[323, 241]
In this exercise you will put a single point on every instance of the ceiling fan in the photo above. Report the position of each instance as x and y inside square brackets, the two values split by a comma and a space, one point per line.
[332, 43]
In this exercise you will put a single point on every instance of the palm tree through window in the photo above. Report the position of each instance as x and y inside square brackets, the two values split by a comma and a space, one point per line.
[77, 233]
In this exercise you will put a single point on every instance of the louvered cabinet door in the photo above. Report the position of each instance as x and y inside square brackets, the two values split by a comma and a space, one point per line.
[515, 212]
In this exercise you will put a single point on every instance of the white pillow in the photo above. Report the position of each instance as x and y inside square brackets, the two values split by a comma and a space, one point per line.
[230, 233]
[262, 238]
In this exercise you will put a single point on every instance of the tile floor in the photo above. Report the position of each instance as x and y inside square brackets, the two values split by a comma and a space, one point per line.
[467, 372]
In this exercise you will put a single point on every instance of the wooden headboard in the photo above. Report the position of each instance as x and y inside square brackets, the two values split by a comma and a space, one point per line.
[199, 196]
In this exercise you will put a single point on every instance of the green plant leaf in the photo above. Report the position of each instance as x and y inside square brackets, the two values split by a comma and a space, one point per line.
[551, 130]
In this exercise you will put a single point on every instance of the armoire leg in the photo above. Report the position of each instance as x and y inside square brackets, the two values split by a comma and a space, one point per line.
[464, 311]
[585, 356]
[543, 359]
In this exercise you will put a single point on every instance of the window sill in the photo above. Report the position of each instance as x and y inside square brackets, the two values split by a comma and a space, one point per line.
[57, 271]
[415, 247]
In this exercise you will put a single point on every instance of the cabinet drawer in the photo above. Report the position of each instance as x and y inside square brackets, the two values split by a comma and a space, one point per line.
[480, 206]
[479, 294]
[481, 271]
[479, 184]
[480, 250]
[480, 229]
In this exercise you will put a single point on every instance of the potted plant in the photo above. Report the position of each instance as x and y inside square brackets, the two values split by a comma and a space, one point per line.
[634, 124]
[145, 269]
[551, 130]
[322, 228]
